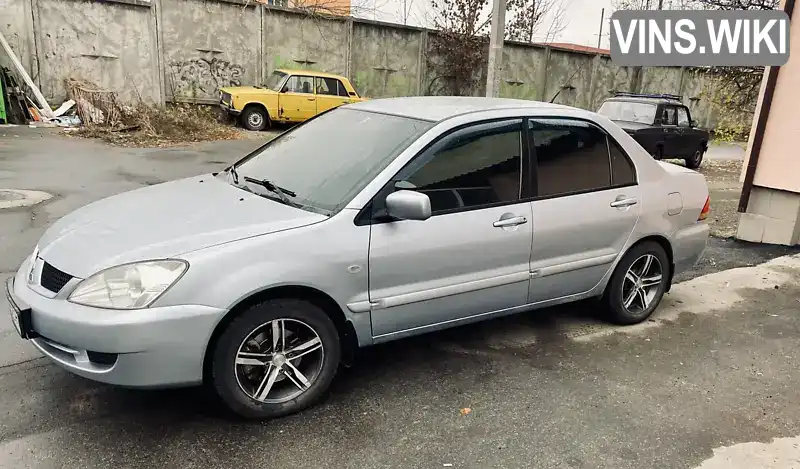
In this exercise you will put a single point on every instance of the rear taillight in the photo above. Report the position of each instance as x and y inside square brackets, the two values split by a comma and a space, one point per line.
[706, 210]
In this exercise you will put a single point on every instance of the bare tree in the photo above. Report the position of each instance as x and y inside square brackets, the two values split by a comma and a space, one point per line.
[527, 18]
[336, 7]
[458, 47]
[406, 7]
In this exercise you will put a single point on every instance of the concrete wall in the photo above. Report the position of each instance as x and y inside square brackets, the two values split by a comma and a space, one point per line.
[15, 24]
[386, 61]
[224, 51]
[112, 45]
[298, 41]
[185, 50]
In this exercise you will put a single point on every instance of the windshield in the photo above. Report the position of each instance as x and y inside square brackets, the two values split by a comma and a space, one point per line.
[274, 81]
[327, 160]
[643, 113]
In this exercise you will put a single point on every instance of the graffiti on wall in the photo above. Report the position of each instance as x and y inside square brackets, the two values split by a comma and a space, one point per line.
[202, 77]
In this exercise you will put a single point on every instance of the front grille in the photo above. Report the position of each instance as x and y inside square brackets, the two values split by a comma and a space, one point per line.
[53, 279]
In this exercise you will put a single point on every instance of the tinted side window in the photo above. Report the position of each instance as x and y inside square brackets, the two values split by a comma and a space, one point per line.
[571, 156]
[622, 170]
[472, 167]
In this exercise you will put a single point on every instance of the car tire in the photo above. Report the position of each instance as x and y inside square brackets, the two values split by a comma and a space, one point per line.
[695, 160]
[633, 293]
[255, 118]
[244, 361]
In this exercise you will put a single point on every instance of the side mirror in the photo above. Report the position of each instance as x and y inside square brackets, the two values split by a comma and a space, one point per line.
[408, 205]
[693, 123]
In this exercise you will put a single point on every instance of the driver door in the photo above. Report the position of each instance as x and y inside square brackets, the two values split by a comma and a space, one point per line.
[297, 101]
[471, 258]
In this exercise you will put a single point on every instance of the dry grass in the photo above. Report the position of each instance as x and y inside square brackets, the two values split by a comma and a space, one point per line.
[151, 126]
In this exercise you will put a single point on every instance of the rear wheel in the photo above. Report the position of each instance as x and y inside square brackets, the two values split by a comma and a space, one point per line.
[276, 358]
[638, 284]
[696, 159]
[255, 118]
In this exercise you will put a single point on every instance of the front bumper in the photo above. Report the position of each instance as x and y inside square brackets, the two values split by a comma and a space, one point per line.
[149, 348]
[227, 108]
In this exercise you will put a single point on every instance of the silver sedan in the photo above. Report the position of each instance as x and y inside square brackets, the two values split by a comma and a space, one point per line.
[368, 223]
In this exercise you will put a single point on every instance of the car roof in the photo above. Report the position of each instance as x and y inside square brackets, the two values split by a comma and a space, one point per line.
[646, 100]
[438, 108]
[314, 73]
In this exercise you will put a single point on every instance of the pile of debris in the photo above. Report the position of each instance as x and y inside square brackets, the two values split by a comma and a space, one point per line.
[142, 124]
[91, 111]
[16, 104]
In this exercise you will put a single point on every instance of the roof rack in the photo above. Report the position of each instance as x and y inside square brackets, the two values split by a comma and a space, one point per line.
[673, 97]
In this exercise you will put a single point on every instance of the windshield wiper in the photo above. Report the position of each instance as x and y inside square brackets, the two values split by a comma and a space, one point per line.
[284, 194]
[232, 172]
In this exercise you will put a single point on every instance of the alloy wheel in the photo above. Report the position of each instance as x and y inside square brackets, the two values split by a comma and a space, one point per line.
[279, 360]
[641, 284]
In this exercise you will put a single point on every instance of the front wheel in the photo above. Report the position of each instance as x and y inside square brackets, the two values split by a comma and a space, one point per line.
[254, 118]
[695, 160]
[638, 284]
[276, 358]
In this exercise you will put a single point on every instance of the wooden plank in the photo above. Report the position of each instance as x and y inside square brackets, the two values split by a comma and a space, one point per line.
[25, 77]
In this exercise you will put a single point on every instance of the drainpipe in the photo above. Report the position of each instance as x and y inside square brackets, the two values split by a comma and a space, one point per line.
[761, 127]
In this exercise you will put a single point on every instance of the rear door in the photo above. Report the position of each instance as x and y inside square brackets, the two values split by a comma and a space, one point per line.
[689, 138]
[330, 94]
[586, 207]
[297, 101]
[669, 125]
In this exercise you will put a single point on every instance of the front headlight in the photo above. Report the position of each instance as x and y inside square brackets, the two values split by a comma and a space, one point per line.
[129, 286]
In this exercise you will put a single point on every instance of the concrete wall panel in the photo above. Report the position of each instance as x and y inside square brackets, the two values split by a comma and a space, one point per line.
[208, 45]
[16, 26]
[661, 80]
[522, 68]
[608, 78]
[569, 69]
[109, 44]
[385, 61]
[297, 41]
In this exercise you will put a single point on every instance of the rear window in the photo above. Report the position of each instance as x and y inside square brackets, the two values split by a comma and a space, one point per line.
[642, 113]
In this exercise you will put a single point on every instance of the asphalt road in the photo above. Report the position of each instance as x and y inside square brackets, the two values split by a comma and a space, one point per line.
[550, 389]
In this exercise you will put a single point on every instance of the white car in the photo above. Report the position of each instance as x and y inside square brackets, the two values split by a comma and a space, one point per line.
[369, 223]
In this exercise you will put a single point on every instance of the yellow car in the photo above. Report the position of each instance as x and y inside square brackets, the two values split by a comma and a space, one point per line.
[287, 96]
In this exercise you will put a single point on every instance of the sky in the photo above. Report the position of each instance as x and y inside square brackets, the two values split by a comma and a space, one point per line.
[582, 17]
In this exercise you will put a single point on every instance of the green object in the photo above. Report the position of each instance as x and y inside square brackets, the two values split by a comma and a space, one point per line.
[3, 117]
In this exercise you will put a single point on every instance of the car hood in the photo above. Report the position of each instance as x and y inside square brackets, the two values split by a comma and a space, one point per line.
[165, 220]
[246, 90]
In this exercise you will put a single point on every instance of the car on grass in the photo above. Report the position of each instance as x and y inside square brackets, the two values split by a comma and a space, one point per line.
[289, 96]
[368, 223]
[661, 124]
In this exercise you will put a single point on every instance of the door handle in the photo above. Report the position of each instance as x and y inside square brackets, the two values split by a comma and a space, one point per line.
[312, 99]
[623, 202]
[506, 222]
